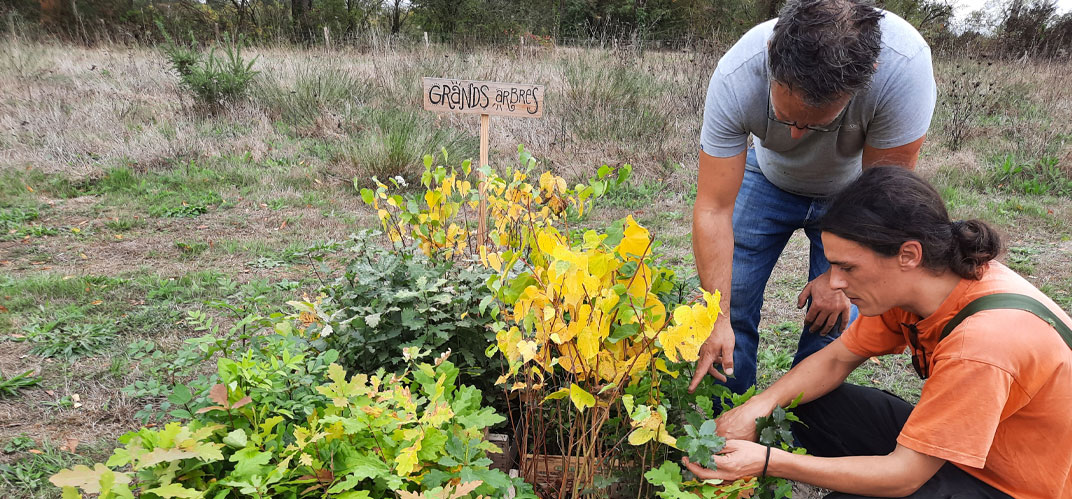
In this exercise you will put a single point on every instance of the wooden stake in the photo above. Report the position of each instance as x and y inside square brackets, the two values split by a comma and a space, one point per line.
[482, 230]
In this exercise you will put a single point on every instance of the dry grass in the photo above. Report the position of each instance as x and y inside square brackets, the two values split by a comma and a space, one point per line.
[71, 117]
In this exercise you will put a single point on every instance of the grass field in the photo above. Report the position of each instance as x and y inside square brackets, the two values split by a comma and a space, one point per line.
[124, 206]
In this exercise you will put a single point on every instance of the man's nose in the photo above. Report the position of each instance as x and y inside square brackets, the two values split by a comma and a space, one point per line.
[797, 132]
[836, 279]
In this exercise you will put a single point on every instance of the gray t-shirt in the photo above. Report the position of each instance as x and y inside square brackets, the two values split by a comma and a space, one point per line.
[893, 111]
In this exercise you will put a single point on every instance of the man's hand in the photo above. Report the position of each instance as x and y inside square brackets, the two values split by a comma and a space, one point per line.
[827, 305]
[740, 422]
[717, 348]
[739, 458]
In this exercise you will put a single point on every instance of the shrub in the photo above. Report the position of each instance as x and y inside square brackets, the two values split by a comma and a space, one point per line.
[386, 300]
[213, 80]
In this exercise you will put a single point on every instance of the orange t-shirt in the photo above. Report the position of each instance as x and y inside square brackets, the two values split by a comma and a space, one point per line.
[998, 397]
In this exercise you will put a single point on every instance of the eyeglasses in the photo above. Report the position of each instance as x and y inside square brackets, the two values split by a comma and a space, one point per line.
[919, 354]
[833, 126]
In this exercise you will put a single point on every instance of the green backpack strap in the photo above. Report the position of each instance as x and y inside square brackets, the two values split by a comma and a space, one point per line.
[1014, 301]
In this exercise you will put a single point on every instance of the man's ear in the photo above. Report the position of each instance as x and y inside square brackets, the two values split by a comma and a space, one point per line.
[911, 255]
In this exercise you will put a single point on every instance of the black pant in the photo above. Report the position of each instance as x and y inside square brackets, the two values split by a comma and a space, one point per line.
[858, 421]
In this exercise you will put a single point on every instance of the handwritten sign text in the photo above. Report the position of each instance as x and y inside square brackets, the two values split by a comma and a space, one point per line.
[483, 97]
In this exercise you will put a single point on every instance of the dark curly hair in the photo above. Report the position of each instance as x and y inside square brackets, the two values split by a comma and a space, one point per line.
[825, 49]
[889, 205]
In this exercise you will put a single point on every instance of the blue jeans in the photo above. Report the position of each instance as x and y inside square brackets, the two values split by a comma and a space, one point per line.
[764, 218]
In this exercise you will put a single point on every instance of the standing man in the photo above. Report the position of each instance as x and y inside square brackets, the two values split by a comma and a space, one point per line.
[828, 88]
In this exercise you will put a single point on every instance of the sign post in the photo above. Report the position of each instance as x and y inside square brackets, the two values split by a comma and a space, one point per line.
[484, 98]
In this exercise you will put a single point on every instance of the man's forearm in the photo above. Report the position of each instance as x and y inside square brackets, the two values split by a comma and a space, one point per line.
[898, 474]
[712, 246]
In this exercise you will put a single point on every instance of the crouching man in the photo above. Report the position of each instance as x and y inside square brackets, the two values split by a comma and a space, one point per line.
[993, 417]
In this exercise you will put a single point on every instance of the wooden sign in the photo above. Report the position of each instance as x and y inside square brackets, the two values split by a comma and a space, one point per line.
[483, 97]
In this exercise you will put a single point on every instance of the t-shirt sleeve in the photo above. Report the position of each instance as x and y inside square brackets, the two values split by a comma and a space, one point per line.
[958, 412]
[723, 133]
[874, 336]
[907, 104]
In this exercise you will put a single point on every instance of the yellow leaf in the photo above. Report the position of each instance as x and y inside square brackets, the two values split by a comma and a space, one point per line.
[580, 398]
[527, 349]
[495, 262]
[635, 242]
[547, 181]
[557, 394]
[640, 436]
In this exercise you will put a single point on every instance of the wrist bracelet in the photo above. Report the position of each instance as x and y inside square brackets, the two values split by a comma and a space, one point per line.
[766, 462]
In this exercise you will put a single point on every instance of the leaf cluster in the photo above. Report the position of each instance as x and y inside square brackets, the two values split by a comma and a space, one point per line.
[67, 338]
[361, 436]
[668, 476]
[10, 386]
[387, 300]
[700, 442]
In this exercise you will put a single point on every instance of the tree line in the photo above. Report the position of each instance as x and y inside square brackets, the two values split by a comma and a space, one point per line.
[1012, 27]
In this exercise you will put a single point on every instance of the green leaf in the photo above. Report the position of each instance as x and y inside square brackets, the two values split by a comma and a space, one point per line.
[622, 332]
[354, 494]
[250, 462]
[173, 490]
[484, 303]
[624, 172]
[768, 436]
[368, 196]
[181, 395]
[517, 286]
[580, 398]
[480, 419]
[706, 405]
[603, 171]
[236, 439]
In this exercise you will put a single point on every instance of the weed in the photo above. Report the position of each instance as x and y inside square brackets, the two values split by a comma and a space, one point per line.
[266, 263]
[1043, 176]
[29, 474]
[125, 224]
[9, 387]
[395, 144]
[164, 289]
[64, 402]
[23, 184]
[631, 196]
[277, 204]
[190, 249]
[311, 95]
[778, 360]
[68, 337]
[189, 191]
[1062, 295]
[19, 443]
[1022, 259]
[14, 224]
